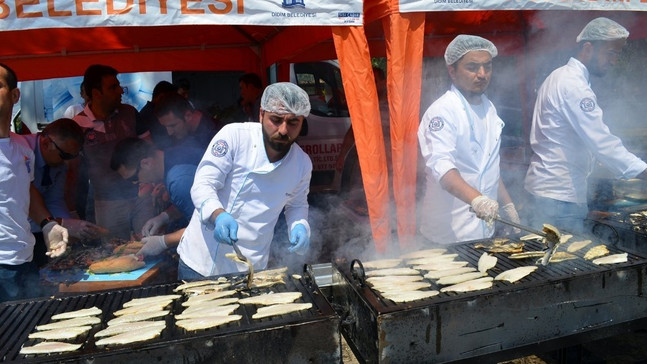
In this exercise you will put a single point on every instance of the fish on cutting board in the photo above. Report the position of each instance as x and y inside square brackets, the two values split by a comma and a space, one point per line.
[280, 309]
[48, 347]
[92, 311]
[206, 322]
[515, 274]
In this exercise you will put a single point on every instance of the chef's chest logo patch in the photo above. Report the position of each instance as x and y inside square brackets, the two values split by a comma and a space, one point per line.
[220, 148]
[436, 123]
[587, 104]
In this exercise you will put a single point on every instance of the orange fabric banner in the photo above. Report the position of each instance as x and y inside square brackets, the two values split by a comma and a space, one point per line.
[404, 35]
[361, 94]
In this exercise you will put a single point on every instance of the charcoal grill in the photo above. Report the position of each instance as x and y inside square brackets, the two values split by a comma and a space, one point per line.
[559, 305]
[626, 228]
[310, 336]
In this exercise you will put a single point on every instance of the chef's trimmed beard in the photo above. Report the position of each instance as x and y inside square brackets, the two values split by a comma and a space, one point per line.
[279, 147]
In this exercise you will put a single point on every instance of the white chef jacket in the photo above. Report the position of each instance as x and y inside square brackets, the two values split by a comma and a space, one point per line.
[452, 136]
[567, 132]
[236, 175]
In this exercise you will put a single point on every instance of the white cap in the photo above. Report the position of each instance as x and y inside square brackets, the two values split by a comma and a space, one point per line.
[285, 98]
[602, 29]
[463, 43]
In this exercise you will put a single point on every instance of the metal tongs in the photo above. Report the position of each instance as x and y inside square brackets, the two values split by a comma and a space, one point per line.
[552, 241]
[244, 259]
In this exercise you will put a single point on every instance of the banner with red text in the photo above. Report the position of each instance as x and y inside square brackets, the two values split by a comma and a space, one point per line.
[444, 5]
[35, 14]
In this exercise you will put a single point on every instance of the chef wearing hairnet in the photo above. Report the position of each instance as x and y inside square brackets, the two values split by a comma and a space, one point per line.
[249, 173]
[459, 137]
[568, 131]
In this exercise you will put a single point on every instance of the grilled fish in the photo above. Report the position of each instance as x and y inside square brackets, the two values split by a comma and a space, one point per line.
[186, 285]
[486, 261]
[79, 321]
[435, 274]
[449, 280]
[531, 237]
[400, 287]
[65, 333]
[473, 285]
[129, 326]
[92, 311]
[431, 260]
[442, 265]
[612, 259]
[271, 298]
[215, 302]
[596, 251]
[207, 297]
[207, 288]
[280, 309]
[381, 264]
[515, 274]
[207, 311]
[393, 279]
[150, 300]
[409, 295]
[577, 245]
[530, 254]
[155, 306]
[392, 272]
[133, 336]
[206, 322]
[424, 253]
[562, 256]
[137, 317]
[48, 347]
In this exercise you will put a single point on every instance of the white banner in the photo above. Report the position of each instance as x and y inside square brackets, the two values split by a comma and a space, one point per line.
[444, 5]
[35, 14]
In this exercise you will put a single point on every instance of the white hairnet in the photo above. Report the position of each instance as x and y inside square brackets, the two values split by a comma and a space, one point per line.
[463, 43]
[285, 98]
[602, 29]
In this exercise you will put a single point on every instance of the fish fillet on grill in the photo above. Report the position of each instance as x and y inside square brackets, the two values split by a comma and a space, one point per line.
[206, 297]
[442, 265]
[271, 298]
[486, 261]
[129, 326]
[531, 237]
[138, 317]
[280, 309]
[577, 245]
[150, 300]
[152, 307]
[393, 279]
[392, 272]
[612, 259]
[449, 280]
[596, 252]
[216, 302]
[381, 264]
[562, 256]
[65, 333]
[432, 260]
[473, 285]
[207, 311]
[79, 321]
[92, 311]
[206, 322]
[515, 274]
[399, 287]
[207, 288]
[424, 253]
[129, 337]
[528, 254]
[435, 274]
[409, 296]
[191, 284]
[48, 347]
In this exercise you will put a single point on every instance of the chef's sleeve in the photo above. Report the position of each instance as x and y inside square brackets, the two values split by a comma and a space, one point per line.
[211, 174]
[296, 207]
[437, 138]
[587, 119]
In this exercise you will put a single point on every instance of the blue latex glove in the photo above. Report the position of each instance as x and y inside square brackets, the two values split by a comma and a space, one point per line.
[299, 240]
[226, 229]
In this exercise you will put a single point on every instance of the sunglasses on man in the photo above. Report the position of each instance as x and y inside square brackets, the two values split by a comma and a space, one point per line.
[61, 153]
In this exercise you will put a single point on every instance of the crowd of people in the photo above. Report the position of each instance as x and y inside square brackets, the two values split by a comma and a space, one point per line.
[176, 179]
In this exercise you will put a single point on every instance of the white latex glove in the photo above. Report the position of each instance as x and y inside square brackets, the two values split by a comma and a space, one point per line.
[485, 208]
[153, 245]
[509, 212]
[81, 229]
[55, 239]
[155, 225]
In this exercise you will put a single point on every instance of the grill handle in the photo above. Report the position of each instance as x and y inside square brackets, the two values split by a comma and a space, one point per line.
[308, 274]
[358, 274]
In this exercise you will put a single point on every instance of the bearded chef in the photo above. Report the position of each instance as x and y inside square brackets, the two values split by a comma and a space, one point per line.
[568, 131]
[459, 137]
[249, 174]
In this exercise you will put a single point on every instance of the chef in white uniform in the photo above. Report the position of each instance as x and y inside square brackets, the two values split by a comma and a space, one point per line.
[249, 173]
[459, 137]
[568, 131]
